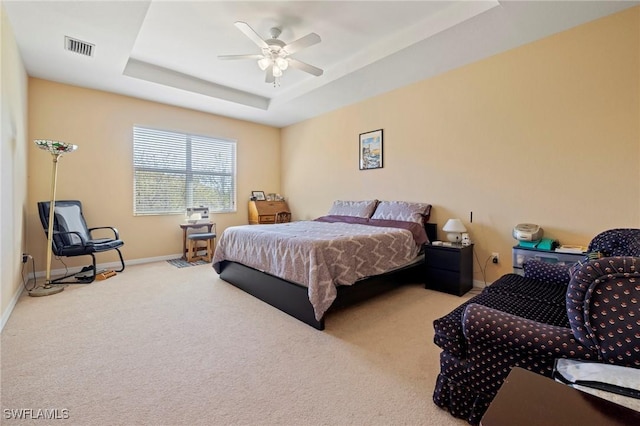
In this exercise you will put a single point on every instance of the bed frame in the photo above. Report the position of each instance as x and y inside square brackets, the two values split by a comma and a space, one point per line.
[293, 298]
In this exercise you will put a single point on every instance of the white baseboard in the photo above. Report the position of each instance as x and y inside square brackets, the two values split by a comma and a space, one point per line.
[480, 284]
[110, 265]
[39, 274]
[12, 304]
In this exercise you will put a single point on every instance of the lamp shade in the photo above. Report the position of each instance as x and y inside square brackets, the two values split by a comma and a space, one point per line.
[55, 147]
[282, 63]
[454, 229]
[264, 63]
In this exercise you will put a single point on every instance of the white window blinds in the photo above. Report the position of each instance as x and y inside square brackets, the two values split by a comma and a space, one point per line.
[173, 171]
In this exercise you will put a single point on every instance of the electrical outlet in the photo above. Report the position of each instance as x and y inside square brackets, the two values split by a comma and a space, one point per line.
[495, 257]
[25, 257]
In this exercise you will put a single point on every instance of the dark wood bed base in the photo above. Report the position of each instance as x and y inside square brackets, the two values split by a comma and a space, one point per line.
[293, 298]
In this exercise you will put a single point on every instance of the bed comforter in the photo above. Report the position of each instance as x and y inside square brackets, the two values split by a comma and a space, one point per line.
[319, 254]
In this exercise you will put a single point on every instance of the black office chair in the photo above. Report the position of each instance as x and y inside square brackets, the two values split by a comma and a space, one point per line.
[71, 237]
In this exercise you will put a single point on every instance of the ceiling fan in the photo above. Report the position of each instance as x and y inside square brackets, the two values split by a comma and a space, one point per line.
[275, 56]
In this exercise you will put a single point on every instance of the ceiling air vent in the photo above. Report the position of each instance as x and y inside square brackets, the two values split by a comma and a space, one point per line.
[78, 46]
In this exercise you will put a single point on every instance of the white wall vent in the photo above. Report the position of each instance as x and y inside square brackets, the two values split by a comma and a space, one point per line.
[78, 46]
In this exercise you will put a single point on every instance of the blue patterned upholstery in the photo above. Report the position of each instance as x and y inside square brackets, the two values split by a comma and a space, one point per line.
[617, 242]
[603, 305]
[530, 321]
[547, 272]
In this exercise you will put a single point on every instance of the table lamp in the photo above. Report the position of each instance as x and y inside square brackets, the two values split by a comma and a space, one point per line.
[56, 149]
[454, 229]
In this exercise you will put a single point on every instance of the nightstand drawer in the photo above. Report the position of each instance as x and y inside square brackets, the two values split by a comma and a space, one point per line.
[443, 258]
[448, 281]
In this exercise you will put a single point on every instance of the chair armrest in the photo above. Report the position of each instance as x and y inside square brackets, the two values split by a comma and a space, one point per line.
[482, 325]
[602, 307]
[115, 231]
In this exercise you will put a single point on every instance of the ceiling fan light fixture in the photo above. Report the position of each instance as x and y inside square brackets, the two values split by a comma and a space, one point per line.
[264, 63]
[277, 72]
[282, 63]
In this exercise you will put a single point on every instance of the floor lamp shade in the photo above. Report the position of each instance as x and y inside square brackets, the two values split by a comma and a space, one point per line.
[454, 229]
[56, 149]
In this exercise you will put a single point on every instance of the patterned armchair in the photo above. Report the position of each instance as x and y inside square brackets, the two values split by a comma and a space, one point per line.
[590, 311]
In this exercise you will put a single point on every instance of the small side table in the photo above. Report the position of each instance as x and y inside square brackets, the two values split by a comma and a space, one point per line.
[527, 398]
[192, 226]
[449, 268]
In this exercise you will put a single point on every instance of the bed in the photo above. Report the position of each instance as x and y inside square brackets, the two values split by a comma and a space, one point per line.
[306, 268]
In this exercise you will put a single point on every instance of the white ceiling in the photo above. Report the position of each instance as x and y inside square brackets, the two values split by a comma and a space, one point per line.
[166, 51]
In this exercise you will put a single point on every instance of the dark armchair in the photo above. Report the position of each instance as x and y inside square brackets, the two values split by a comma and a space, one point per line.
[72, 237]
[590, 311]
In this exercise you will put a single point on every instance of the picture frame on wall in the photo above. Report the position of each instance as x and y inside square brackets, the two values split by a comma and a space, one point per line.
[370, 145]
[258, 195]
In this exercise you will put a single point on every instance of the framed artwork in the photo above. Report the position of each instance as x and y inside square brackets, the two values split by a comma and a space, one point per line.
[258, 195]
[371, 150]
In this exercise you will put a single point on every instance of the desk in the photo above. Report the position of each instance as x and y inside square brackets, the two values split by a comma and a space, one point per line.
[527, 398]
[185, 229]
[261, 212]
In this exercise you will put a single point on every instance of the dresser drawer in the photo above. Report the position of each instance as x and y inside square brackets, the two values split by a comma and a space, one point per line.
[268, 219]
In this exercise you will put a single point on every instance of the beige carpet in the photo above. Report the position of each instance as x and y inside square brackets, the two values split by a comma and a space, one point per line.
[158, 345]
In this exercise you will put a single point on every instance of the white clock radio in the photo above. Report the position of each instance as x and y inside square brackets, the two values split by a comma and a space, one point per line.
[527, 232]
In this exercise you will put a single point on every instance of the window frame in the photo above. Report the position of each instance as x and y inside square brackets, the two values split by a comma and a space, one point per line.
[187, 172]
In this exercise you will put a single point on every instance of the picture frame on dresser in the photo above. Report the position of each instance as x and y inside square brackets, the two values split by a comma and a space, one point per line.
[258, 195]
[370, 147]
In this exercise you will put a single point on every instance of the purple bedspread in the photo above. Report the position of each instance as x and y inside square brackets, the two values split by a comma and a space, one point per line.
[319, 254]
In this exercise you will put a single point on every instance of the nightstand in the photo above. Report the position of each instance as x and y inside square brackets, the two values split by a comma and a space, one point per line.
[449, 268]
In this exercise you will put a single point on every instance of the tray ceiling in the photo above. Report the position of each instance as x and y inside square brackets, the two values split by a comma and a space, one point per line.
[166, 51]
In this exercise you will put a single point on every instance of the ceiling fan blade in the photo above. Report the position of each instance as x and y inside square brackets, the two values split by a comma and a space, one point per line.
[269, 78]
[250, 56]
[301, 43]
[249, 32]
[303, 66]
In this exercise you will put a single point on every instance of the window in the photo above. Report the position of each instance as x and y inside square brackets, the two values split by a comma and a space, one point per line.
[173, 171]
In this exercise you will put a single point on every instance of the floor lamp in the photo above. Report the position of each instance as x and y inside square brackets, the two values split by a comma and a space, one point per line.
[56, 149]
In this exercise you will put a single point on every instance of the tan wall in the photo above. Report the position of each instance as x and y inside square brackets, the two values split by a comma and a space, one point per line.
[13, 167]
[100, 172]
[547, 133]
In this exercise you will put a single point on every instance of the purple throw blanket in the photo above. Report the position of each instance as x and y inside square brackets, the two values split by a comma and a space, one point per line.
[416, 229]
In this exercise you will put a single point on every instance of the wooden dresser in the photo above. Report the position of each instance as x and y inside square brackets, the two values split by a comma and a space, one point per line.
[262, 212]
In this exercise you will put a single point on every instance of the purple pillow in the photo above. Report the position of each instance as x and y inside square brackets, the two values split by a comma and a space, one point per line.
[353, 208]
[403, 211]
